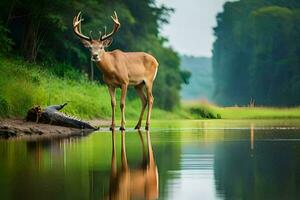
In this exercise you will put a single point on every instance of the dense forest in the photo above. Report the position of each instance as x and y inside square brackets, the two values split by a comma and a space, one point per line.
[257, 53]
[201, 84]
[40, 31]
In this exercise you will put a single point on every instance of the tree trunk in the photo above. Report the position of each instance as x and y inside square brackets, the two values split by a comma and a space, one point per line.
[32, 40]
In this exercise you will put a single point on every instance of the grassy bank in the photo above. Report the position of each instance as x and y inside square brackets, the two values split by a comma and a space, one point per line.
[207, 109]
[23, 85]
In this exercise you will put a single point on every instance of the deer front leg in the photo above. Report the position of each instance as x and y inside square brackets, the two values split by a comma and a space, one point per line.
[122, 105]
[112, 93]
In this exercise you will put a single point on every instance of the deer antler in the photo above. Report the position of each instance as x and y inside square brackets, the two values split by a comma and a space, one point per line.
[116, 27]
[77, 27]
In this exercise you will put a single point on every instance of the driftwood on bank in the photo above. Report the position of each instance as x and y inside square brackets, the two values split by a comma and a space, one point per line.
[51, 115]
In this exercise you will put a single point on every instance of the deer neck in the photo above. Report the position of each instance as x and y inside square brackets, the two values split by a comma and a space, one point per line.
[105, 64]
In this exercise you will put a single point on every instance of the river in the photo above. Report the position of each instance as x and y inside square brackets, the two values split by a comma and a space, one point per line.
[186, 159]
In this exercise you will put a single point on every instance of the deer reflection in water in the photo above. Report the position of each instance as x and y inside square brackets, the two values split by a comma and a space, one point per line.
[137, 183]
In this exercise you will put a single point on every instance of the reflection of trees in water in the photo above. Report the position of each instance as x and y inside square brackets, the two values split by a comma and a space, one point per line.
[48, 151]
[39, 174]
[74, 168]
[270, 171]
[167, 156]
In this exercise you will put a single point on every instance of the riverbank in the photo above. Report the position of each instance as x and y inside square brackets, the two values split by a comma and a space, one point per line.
[21, 129]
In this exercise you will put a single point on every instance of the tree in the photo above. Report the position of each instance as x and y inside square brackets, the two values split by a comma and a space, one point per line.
[256, 53]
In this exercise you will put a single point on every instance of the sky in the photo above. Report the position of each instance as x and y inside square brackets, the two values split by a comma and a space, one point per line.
[190, 28]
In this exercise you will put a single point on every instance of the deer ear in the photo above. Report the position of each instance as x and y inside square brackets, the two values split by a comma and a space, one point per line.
[107, 42]
[86, 43]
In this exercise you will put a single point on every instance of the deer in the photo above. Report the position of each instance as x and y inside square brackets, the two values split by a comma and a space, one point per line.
[121, 69]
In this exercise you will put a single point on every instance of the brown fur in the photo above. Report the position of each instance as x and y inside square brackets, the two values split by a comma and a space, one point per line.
[121, 69]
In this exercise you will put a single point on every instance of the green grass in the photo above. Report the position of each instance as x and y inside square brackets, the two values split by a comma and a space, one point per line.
[245, 112]
[257, 112]
[23, 85]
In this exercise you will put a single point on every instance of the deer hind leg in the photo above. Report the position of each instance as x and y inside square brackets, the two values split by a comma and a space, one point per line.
[150, 99]
[112, 93]
[122, 105]
[141, 94]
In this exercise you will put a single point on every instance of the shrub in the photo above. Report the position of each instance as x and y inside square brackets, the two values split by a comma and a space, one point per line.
[204, 112]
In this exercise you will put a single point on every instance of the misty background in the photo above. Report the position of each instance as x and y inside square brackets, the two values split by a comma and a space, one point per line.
[253, 47]
[190, 32]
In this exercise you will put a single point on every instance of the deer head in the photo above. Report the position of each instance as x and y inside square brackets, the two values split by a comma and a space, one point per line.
[97, 46]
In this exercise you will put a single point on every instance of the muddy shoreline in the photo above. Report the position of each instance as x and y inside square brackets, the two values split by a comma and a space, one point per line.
[20, 129]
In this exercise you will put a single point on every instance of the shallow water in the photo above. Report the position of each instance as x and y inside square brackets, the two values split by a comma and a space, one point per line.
[215, 159]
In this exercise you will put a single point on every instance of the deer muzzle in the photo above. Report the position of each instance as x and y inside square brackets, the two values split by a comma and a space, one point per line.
[95, 57]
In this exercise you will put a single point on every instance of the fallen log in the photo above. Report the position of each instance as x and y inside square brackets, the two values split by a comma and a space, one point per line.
[51, 115]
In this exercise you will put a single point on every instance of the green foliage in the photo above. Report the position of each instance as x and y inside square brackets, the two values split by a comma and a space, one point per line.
[185, 76]
[5, 41]
[257, 53]
[3, 106]
[42, 32]
[202, 112]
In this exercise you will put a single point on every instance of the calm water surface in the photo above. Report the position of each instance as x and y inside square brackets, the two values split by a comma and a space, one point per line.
[177, 160]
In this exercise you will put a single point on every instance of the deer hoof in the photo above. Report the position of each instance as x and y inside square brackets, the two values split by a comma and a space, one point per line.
[112, 128]
[122, 128]
[147, 128]
[137, 127]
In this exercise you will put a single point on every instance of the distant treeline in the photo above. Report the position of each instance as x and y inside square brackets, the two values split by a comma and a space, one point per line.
[41, 31]
[200, 85]
[257, 53]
